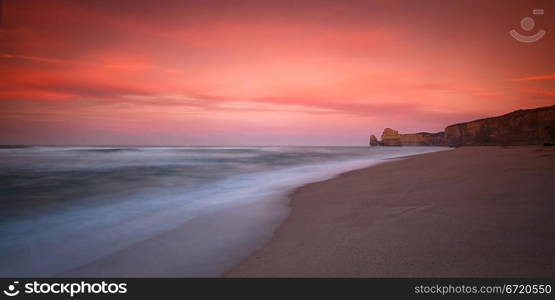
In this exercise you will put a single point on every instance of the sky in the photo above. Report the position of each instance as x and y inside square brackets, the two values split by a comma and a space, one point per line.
[263, 72]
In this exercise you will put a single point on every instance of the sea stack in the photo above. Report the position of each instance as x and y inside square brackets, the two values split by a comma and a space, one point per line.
[373, 140]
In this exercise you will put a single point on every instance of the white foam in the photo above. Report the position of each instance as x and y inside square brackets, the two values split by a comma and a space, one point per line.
[51, 244]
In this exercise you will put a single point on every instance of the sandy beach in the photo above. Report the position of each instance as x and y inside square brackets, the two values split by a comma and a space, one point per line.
[475, 211]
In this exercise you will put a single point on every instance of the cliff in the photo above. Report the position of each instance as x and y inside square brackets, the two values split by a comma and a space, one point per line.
[521, 127]
[422, 139]
[392, 137]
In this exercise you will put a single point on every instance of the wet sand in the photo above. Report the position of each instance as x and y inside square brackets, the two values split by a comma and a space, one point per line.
[476, 211]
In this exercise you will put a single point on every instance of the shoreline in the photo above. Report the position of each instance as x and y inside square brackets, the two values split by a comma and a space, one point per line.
[213, 241]
[342, 227]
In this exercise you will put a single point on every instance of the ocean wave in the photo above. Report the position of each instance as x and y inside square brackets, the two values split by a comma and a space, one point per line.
[98, 201]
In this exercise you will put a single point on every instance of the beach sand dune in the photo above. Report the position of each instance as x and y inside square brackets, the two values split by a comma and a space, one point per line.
[476, 211]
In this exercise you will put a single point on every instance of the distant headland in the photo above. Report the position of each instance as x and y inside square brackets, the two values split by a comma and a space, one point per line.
[521, 127]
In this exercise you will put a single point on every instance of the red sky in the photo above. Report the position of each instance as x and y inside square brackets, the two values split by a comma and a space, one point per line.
[263, 72]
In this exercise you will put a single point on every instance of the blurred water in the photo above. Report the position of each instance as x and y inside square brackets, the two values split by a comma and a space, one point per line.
[63, 207]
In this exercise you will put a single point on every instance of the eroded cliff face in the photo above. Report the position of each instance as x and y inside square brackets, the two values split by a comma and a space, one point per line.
[392, 137]
[422, 139]
[521, 127]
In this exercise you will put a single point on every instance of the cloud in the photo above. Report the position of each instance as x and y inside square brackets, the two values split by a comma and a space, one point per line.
[290, 65]
[54, 61]
[535, 78]
[540, 94]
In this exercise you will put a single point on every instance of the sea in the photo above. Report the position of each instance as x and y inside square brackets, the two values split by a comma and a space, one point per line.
[155, 211]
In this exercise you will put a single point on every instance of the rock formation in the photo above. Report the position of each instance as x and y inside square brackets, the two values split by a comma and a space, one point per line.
[422, 139]
[373, 140]
[521, 127]
[392, 137]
